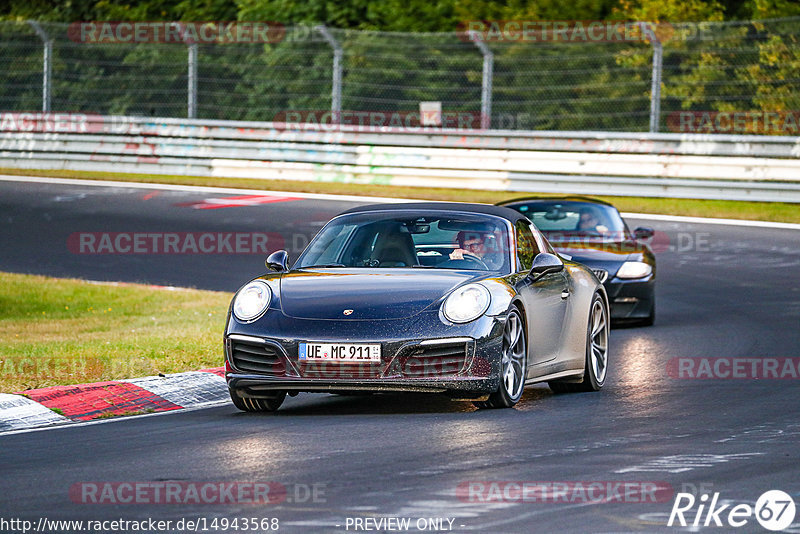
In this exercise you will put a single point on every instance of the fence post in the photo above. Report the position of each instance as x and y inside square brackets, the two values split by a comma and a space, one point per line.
[47, 67]
[336, 90]
[191, 90]
[191, 75]
[655, 79]
[486, 81]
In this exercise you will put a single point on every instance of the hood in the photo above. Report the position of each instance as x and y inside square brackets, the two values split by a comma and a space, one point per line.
[372, 294]
[608, 256]
[616, 251]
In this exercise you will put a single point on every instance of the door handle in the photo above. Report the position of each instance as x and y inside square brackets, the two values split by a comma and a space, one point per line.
[565, 294]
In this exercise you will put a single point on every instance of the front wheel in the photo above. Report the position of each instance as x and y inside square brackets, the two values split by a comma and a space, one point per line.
[513, 367]
[249, 404]
[596, 367]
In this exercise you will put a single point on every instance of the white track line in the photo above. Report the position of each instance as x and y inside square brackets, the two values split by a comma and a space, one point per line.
[356, 198]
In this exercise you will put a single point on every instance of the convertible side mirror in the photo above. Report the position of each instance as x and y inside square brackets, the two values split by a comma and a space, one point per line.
[278, 261]
[643, 233]
[545, 263]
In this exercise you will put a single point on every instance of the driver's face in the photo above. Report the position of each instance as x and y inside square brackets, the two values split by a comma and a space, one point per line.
[588, 219]
[474, 246]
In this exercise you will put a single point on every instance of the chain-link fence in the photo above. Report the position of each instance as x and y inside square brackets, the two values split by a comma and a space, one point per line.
[632, 84]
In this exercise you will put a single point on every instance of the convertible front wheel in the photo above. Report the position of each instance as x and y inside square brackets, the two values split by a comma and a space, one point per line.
[249, 404]
[513, 367]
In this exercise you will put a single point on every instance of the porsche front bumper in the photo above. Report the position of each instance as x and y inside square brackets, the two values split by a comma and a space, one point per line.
[459, 360]
[631, 299]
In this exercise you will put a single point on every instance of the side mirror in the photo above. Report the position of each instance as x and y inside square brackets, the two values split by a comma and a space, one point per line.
[643, 233]
[278, 261]
[545, 263]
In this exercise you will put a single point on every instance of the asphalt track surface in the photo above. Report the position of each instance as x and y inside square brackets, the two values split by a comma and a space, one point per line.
[723, 291]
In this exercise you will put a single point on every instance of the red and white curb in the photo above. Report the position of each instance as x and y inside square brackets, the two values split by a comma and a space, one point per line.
[86, 402]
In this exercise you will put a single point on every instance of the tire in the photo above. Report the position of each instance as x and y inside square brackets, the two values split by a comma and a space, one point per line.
[513, 367]
[249, 404]
[596, 367]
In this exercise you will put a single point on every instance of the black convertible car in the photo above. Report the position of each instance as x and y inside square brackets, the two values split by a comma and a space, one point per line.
[465, 300]
[593, 232]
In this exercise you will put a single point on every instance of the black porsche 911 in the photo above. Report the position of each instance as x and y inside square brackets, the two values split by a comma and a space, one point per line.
[466, 300]
[593, 232]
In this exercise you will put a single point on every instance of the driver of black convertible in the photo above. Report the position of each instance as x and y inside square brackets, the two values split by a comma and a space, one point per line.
[482, 245]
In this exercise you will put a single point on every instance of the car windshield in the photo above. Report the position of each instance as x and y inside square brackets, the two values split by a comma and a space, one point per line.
[567, 220]
[424, 240]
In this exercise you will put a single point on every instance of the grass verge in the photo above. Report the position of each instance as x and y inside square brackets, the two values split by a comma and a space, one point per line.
[63, 331]
[730, 209]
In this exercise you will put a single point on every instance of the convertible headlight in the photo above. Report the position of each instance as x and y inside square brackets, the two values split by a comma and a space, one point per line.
[251, 301]
[634, 269]
[466, 303]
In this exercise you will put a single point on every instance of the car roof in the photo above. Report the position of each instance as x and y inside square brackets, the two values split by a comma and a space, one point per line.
[572, 198]
[486, 209]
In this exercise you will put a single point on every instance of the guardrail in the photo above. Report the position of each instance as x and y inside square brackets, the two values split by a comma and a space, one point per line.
[734, 167]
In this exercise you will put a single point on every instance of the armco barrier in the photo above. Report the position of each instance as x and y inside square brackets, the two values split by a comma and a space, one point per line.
[670, 165]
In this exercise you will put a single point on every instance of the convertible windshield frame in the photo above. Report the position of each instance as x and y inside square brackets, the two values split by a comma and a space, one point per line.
[368, 217]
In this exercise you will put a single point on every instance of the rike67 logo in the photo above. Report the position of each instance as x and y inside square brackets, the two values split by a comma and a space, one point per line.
[774, 510]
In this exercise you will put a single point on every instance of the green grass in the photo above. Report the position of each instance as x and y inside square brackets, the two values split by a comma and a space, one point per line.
[761, 211]
[61, 332]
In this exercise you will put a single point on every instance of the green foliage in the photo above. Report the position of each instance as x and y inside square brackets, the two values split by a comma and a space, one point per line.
[770, 9]
[672, 11]
[538, 85]
[62, 331]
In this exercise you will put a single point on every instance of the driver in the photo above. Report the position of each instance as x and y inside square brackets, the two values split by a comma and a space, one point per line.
[481, 245]
[590, 221]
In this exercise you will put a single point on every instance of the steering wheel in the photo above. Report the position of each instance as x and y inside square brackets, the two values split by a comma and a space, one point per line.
[472, 259]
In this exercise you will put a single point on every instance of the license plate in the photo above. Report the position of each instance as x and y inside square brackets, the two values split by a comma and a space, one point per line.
[340, 352]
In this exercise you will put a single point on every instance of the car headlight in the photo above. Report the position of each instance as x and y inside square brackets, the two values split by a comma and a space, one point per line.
[251, 301]
[634, 269]
[466, 303]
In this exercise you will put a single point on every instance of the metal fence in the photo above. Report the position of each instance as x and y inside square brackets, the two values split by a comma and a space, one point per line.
[596, 85]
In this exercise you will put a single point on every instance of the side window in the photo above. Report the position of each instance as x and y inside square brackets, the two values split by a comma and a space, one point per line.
[527, 248]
